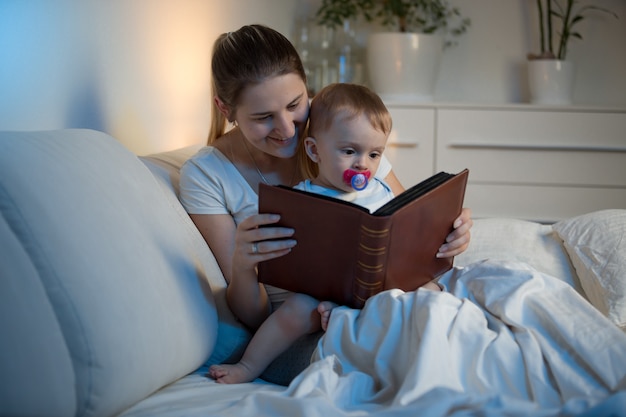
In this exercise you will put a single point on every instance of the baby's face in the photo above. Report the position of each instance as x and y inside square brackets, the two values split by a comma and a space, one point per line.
[348, 144]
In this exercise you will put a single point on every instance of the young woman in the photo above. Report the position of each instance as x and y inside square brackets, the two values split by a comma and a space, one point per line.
[259, 87]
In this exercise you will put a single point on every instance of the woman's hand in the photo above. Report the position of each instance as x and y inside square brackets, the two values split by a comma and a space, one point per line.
[458, 241]
[254, 243]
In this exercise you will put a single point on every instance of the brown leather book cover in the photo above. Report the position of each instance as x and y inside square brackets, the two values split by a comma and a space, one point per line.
[346, 254]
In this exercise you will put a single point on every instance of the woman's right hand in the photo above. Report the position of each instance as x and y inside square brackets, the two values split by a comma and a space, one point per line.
[255, 242]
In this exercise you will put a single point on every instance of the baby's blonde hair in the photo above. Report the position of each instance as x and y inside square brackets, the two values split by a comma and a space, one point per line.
[346, 101]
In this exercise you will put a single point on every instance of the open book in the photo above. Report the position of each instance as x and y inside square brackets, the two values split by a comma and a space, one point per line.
[346, 254]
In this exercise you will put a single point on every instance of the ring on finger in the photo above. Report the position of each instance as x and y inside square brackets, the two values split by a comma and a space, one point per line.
[255, 248]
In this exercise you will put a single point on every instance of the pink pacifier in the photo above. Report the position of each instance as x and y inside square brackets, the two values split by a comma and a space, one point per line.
[356, 179]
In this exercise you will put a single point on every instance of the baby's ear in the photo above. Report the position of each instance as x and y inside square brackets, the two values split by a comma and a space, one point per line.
[310, 146]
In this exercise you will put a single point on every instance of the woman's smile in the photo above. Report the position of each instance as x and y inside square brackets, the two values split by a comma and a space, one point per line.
[285, 141]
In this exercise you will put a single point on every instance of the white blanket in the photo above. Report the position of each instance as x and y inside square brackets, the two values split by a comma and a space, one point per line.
[504, 340]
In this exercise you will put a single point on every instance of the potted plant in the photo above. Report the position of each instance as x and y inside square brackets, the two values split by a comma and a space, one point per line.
[550, 75]
[403, 60]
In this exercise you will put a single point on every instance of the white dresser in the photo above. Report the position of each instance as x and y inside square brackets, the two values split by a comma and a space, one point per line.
[527, 162]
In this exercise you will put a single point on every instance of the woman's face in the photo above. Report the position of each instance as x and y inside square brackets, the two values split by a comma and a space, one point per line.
[272, 115]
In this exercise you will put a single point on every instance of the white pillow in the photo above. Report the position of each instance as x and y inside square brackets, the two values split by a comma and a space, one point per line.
[533, 243]
[233, 336]
[596, 243]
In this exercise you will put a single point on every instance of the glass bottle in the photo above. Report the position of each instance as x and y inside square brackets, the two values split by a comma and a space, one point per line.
[304, 44]
[326, 59]
[349, 67]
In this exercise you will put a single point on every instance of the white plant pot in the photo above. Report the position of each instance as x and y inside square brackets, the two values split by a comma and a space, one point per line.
[404, 66]
[551, 81]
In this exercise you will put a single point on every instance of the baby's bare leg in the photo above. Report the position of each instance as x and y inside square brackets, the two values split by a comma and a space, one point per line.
[432, 285]
[296, 317]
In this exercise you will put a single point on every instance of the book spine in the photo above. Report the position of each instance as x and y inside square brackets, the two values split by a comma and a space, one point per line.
[370, 260]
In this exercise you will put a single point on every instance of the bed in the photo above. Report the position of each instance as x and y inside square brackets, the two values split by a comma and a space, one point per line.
[111, 304]
[532, 322]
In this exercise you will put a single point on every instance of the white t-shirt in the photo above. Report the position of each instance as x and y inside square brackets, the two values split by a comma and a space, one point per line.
[211, 184]
[372, 197]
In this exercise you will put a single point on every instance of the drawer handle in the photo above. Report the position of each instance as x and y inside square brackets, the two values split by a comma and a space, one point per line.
[402, 144]
[538, 146]
[396, 141]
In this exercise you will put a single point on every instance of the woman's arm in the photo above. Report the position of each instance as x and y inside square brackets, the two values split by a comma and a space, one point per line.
[218, 231]
[394, 183]
[457, 241]
[251, 306]
[233, 247]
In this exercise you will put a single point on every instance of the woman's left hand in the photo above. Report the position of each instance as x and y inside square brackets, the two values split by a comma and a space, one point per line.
[458, 241]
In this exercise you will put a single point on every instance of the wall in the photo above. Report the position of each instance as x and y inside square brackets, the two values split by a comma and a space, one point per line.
[489, 63]
[139, 69]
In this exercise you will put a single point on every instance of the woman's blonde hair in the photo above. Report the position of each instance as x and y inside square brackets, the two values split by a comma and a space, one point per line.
[247, 57]
[346, 101]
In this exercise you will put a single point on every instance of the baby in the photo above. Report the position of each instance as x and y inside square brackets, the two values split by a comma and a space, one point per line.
[348, 130]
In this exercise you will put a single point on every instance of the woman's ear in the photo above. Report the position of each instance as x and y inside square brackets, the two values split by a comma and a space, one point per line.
[310, 146]
[223, 108]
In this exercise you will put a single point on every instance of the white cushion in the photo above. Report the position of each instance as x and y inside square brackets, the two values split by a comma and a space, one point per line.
[533, 243]
[114, 261]
[233, 336]
[596, 243]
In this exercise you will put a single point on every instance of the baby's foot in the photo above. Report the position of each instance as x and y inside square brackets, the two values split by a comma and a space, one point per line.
[231, 374]
[324, 308]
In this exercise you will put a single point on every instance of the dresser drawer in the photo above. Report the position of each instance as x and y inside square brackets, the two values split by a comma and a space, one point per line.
[534, 147]
[411, 145]
[540, 203]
